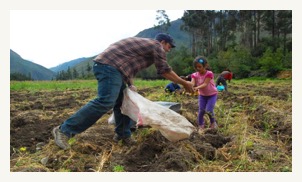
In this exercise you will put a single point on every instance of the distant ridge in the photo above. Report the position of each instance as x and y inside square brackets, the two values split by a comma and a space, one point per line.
[36, 71]
[65, 65]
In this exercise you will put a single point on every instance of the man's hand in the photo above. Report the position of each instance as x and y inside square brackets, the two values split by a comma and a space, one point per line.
[189, 87]
[172, 76]
[133, 88]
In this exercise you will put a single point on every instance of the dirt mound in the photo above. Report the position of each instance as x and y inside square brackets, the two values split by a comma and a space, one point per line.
[155, 153]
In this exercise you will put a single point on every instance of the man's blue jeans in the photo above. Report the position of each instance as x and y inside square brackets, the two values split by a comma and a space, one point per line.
[110, 95]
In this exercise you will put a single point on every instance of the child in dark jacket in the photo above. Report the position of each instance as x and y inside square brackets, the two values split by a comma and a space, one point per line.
[172, 87]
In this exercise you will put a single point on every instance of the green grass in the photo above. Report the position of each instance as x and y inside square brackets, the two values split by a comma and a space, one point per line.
[92, 84]
[74, 84]
[118, 168]
[52, 85]
[150, 83]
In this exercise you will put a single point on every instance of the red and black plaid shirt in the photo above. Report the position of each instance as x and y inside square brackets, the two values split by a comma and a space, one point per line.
[133, 54]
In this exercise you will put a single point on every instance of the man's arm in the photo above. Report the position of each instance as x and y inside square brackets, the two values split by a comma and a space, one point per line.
[172, 76]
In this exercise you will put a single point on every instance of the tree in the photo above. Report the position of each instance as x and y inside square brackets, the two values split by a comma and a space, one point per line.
[69, 74]
[181, 61]
[20, 76]
[190, 18]
[163, 21]
[88, 68]
[75, 74]
[284, 24]
[271, 62]
[210, 30]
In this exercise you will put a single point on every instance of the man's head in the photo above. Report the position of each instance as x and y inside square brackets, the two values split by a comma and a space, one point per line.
[165, 39]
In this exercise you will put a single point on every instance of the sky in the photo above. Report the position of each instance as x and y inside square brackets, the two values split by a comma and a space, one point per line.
[52, 37]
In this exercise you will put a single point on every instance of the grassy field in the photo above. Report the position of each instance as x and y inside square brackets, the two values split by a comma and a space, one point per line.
[74, 84]
[254, 134]
[92, 84]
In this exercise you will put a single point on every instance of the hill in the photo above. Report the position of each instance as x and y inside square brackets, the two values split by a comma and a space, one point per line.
[65, 65]
[36, 71]
[181, 37]
[81, 67]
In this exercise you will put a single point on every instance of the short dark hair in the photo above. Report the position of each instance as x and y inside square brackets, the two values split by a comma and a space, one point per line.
[165, 37]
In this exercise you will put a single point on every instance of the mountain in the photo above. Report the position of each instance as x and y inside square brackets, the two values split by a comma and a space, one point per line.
[65, 65]
[181, 38]
[82, 66]
[36, 71]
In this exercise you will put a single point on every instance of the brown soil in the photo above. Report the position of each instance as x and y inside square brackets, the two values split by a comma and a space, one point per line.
[34, 115]
[285, 74]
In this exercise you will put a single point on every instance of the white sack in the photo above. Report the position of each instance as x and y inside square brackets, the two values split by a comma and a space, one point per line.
[111, 119]
[171, 125]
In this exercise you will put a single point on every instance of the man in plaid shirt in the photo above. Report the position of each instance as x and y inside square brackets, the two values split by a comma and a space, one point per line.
[115, 69]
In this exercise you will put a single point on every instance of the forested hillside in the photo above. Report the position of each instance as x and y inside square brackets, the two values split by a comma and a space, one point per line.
[64, 66]
[21, 69]
[181, 37]
[81, 70]
[248, 42]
